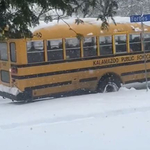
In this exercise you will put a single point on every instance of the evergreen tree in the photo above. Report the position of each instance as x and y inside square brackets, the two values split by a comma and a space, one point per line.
[16, 16]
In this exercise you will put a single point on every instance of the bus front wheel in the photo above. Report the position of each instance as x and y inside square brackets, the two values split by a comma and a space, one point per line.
[109, 84]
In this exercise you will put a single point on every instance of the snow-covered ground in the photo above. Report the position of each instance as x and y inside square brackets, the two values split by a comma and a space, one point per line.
[109, 121]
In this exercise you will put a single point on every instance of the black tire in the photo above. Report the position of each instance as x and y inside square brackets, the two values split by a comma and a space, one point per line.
[109, 84]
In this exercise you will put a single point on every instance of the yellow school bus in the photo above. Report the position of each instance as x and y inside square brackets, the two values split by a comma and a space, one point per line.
[54, 61]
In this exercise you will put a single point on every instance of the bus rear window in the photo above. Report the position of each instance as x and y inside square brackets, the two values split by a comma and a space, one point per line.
[3, 51]
[135, 42]
[73, 48]
[106, 47]
[55, 50]
[120, 42]
[5, 76]
[13, 52]
[147, 41]
[35, 51]
[89, 47]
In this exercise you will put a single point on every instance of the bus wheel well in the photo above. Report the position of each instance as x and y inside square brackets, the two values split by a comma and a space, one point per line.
[111, 80]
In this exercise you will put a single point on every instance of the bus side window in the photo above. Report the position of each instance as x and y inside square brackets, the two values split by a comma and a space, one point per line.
[3, 51]
[147, 41]
[54, 50]
[13, 52]
[73, 49]
[135, 42]
[121, 43]
[105, 44]
[35, 51]
[89, 47]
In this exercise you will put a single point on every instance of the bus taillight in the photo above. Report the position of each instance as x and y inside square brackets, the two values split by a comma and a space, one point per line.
[13, 70]
[13, 80]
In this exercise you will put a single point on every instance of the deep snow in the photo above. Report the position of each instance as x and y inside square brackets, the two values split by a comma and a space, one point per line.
[108, 121]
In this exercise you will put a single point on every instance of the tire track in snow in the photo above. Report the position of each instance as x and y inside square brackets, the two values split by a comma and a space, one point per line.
[72, 118]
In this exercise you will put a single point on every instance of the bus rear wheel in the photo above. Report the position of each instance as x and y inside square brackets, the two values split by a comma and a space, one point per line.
[109, 84]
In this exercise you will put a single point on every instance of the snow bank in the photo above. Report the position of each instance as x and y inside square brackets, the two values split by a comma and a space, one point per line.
[10, 90]
[123, 89]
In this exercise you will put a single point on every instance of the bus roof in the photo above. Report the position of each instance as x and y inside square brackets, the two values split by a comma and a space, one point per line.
[86, 29]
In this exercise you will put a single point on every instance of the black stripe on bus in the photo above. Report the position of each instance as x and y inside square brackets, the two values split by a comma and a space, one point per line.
[88, 79]
[73, 60]
[134, 72]
[50, 85]
[75, 70]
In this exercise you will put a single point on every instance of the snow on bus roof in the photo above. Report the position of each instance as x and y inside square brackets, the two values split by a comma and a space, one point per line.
[72, 20]
[86, 20]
